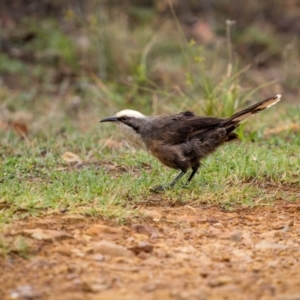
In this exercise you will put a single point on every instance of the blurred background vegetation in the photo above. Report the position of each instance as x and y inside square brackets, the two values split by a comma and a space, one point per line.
[86, 59]
[64, 65]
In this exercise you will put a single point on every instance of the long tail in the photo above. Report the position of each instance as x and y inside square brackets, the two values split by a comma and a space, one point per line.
[244, 114]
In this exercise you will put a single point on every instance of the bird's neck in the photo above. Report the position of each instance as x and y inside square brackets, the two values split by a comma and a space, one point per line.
[132, 135]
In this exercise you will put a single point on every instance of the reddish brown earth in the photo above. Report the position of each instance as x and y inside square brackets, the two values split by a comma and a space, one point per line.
[173, 253]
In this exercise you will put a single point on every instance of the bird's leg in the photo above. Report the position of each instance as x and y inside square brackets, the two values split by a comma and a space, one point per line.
[161, 188]
[177, 178]
[195, 169]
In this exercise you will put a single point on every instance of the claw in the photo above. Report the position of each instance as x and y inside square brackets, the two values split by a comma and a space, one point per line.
[159, 189]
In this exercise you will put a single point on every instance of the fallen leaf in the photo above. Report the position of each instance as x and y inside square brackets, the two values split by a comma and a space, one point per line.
[20, 128]
[19, 122]
[45, 234]
[266, 245]
[71, 158]
[112, 249]
[24, 292]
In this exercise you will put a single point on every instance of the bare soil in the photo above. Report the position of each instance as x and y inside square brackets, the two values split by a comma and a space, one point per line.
[173, 253]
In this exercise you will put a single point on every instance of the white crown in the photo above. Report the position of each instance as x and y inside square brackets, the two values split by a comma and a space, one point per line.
[129, 113]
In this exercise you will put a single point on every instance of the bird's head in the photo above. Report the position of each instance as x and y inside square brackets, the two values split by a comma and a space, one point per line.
[130, 123]
[127, 117]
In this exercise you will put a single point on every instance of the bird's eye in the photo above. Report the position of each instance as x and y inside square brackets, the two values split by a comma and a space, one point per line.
[124, 118]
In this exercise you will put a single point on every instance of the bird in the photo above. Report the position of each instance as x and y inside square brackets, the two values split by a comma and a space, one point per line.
[180, 141]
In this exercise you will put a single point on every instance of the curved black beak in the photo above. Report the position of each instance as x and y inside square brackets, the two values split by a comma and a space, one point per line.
[109, 119]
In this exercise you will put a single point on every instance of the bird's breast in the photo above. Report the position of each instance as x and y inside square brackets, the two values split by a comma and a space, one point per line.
[132, 136]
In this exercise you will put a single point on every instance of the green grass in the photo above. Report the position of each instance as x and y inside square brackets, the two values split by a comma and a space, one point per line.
[35, 181]
[147, 70]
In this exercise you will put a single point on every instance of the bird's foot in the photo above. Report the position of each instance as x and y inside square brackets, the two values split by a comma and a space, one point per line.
[185, 186]
[159, 189]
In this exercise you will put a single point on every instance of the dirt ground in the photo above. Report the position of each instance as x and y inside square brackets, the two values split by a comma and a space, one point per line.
[173, 253]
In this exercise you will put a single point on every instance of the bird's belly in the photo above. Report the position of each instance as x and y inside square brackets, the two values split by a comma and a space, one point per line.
[163, 158]
[170, 156]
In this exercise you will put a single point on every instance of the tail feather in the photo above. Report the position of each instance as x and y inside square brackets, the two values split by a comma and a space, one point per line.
[244, 114]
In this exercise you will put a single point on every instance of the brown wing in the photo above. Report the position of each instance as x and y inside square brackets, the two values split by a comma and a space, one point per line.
[178, 128]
